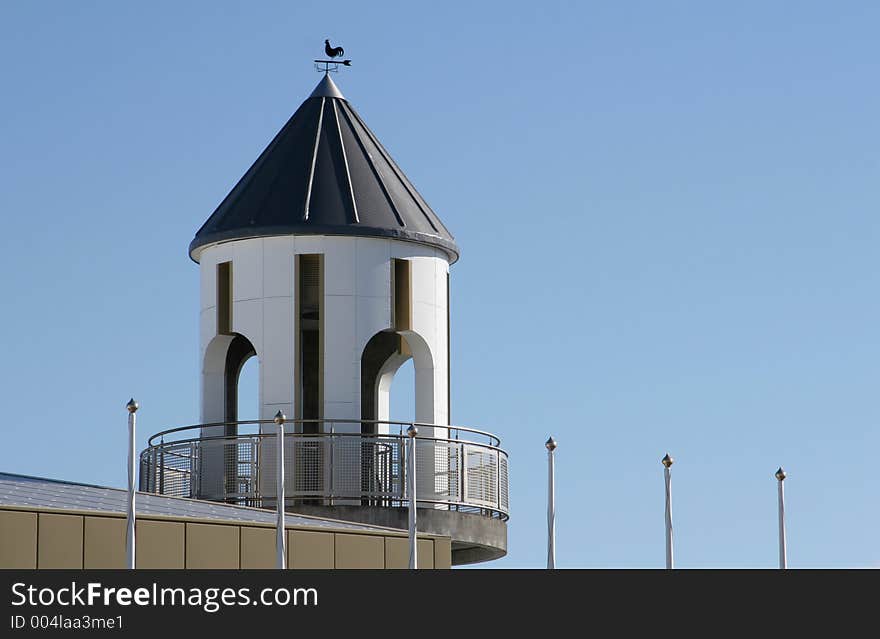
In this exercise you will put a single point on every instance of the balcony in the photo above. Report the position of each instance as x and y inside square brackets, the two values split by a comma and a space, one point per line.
[345, 469]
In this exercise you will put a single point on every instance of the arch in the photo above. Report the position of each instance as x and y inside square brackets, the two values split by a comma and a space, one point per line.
[383, 354]
[224, 358]
[248, 390]
[240, 351]
[390, 378]
[423, 362]
[434, 468]
[213, 407]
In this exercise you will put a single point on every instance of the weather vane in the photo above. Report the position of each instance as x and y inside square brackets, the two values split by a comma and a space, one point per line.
[332, 64]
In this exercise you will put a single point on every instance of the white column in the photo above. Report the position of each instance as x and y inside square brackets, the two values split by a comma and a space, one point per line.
[132, 407]
[280, 545]
[551, 504]
[783, 558]
[667, 462]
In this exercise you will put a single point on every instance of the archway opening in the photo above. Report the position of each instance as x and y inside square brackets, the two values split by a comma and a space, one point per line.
[238, 389]
[402, 401]
[239, 352]
[248, 390]
[383, 355]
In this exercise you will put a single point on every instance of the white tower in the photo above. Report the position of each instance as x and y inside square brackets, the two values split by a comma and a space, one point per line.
[326, 264]
[320, 259]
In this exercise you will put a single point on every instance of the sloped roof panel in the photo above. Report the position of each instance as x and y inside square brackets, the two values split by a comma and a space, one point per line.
[325, 173]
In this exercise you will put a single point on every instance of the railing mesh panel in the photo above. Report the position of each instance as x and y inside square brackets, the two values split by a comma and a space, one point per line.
[503, 495]
[308, 474]
[481, 468]
[437, 471]
[380, 466]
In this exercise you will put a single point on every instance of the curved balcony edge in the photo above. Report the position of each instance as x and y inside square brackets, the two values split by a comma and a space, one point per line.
[348, 470]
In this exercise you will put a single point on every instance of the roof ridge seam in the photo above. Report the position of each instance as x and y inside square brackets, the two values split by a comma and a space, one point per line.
[372, 164]
[314, 160]
[354, 207]
[396, 170]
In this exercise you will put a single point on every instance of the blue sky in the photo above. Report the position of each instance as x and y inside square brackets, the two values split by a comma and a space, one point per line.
[668, 221]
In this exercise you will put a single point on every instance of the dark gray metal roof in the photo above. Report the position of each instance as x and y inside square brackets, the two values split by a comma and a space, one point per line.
[325, 173]
[39, 492]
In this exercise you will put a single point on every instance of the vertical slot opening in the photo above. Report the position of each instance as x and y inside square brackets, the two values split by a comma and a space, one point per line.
[310, 351]
[224, 298]
[401, 292]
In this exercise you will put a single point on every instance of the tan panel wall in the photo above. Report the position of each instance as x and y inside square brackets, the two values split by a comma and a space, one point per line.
[310, 550]
[55, 540]
[443, 554]
[257, 547]
[104, 542]
[396, 552]
[160, 544]
[18, 539]
[426, 554]
[212, 546]
[60, 541]
[359, 551]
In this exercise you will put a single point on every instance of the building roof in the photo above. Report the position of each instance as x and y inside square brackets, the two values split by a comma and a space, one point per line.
[39, 492]
[325, 173]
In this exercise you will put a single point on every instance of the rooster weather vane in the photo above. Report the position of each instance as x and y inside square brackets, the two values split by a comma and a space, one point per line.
[332, 64]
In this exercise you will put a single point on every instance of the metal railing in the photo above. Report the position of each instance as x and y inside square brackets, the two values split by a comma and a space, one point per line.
[329, 462]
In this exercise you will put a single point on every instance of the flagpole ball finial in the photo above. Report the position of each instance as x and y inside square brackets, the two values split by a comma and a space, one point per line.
[667, 461]
[280, 418]
[550, 444]
[132, 406]
[780, 474]
[412, 431]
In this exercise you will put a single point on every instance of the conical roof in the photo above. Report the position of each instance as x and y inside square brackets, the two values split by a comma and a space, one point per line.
[325, 173]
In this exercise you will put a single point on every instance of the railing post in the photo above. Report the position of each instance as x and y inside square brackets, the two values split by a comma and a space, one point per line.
[667, 462]
[783, 558]
[162, 467]
[551, 504]
[280, 545]
[411, 432]
[195, 470]
[258, 474]
[132, 407]
[331, 445]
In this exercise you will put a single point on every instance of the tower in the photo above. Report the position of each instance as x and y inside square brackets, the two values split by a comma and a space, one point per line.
[327, 265]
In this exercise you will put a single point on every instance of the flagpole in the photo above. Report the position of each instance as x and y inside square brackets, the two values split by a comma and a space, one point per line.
[411, 432]
[280, 541]
[667, 462]
[783, 559]
[132, 407]
[551, 504]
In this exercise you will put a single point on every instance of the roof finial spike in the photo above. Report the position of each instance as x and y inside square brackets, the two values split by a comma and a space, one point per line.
[327, 89]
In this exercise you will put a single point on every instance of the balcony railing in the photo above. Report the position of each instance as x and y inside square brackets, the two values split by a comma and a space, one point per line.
[329, 462]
